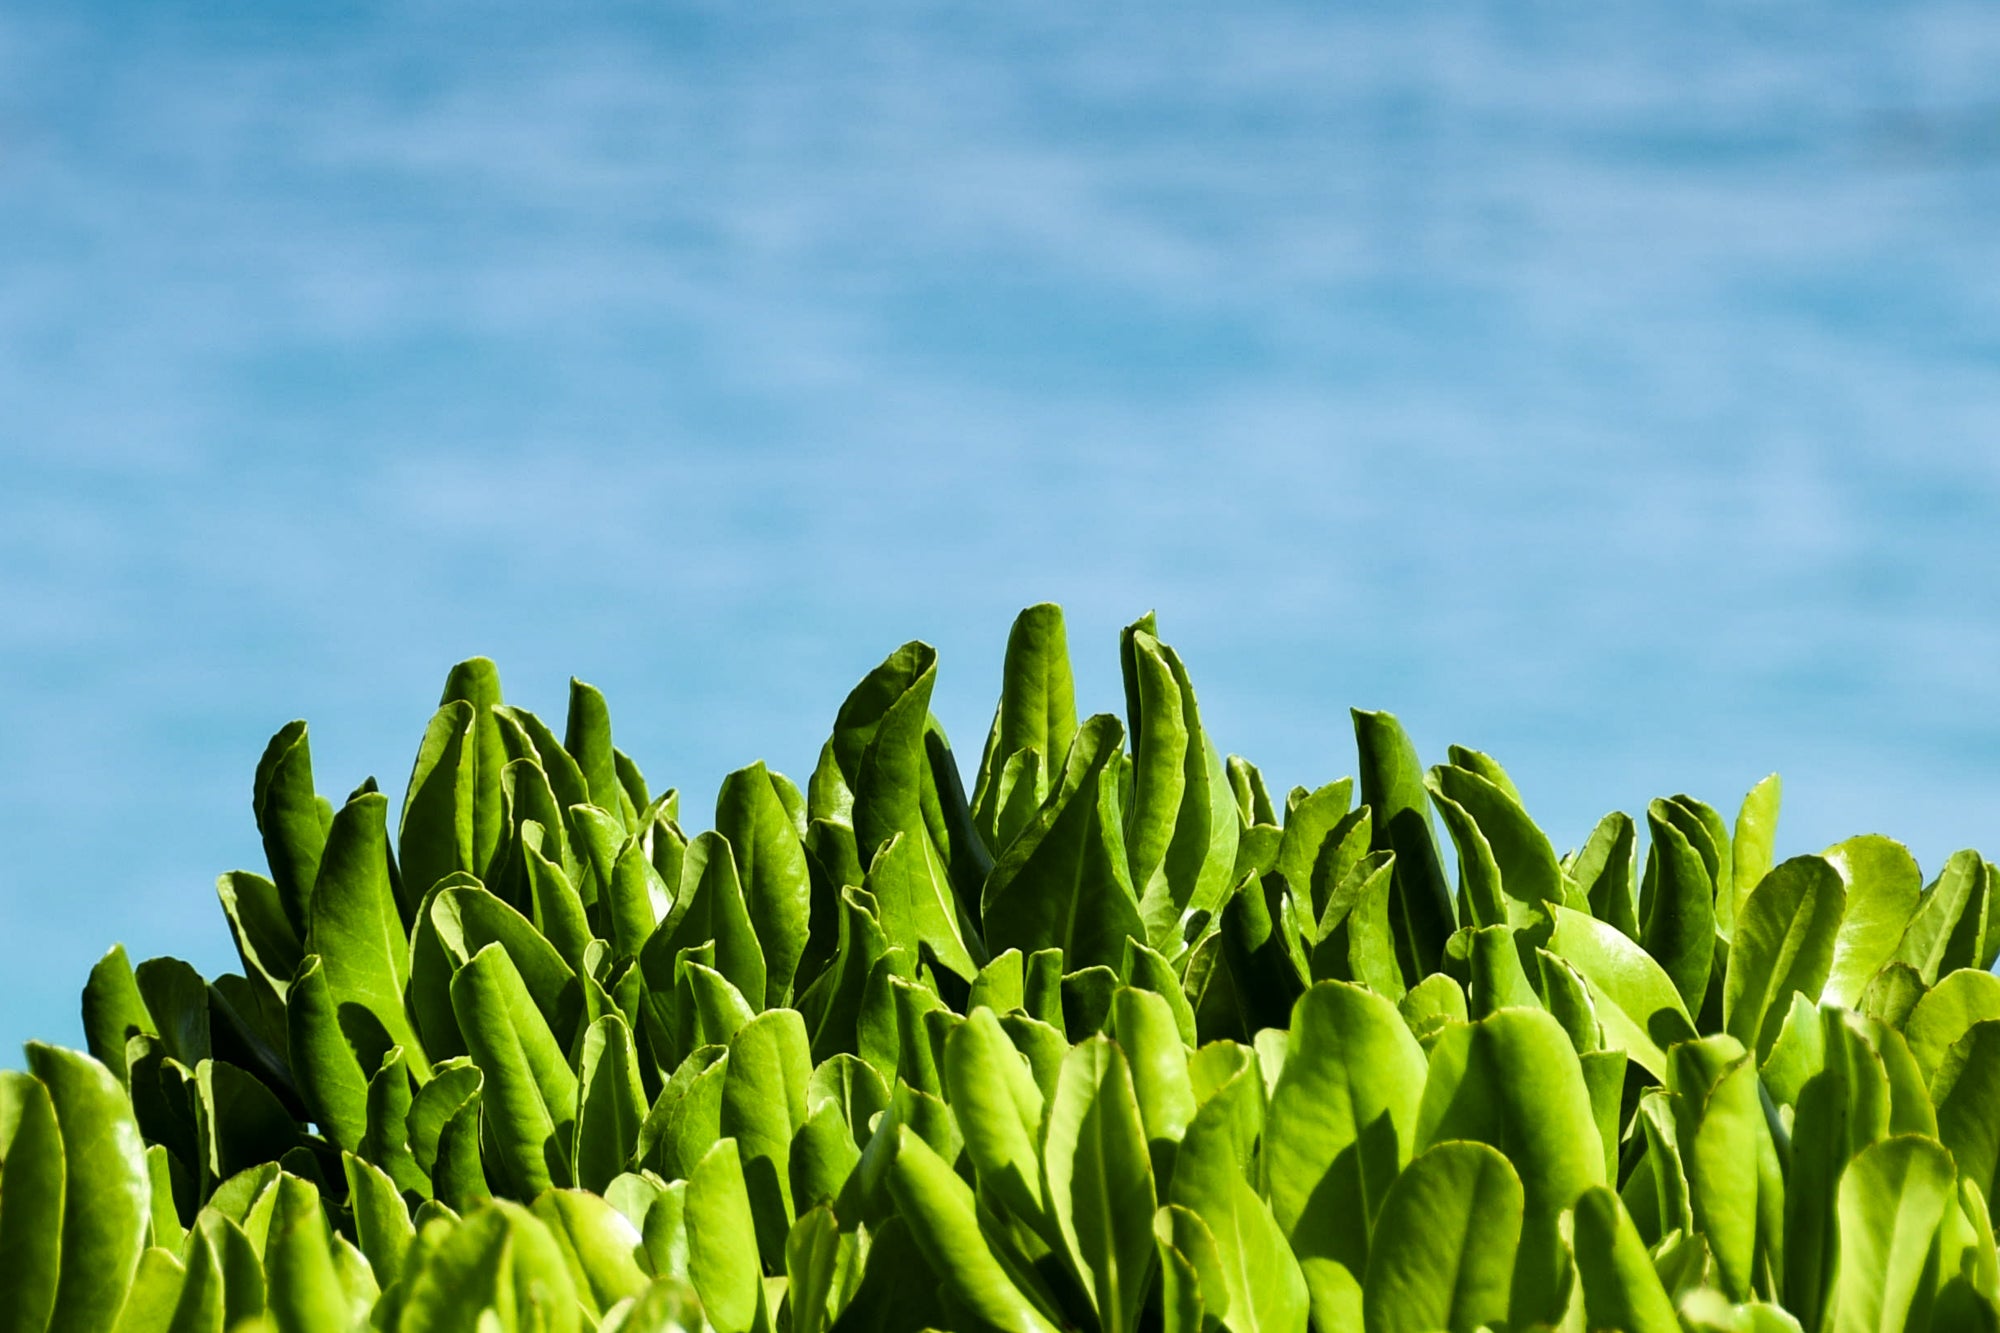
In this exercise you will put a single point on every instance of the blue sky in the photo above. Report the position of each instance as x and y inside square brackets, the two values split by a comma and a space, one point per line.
[1612, 391]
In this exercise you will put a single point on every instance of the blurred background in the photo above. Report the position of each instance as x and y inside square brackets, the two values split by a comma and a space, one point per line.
[1616, 391]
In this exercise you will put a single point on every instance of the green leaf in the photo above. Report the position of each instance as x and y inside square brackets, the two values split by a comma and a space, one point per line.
[1432, 1003]
[1181, 832]
[114, 1011]
[329, 1076]
[530, 1095]
[999, 1110]
[203, 1304]
[611, 1105]
[1679, 929]
[587, 738]
[1449, 1230]
[763, 1105]
[1529, 873]
[1883, 888]
[1602, 872]
[1342, 1121]
[1636, 1002]
[1100, 1180]
[1146, 1029]
[1892, 1197]
[1265, 1289]
[381, 1219]
[31, 1203]
[1264, 973]
[501, 1257]
[709, 906]
[436, 834]
[1719, 1127]
[1620, 1287]
[265, 938]
[1946, 1013]
[880, 746]
[156, 1290]
[812, 1257]
[939, 1208]
[354, 925]
[1392, 786]
[1512, 1080]
[292, 821]
[915, 903]
[304, 1291]
[555, 904]
[1959, 887]
[1063, 882]
[771, 866]
[1755, 835]
[1967, 1091]
[1035, 719]
[598, 1244]
[1308, 821]
[722, 1242]
[1841, 1110]
[1783, 946]
[106, 1193]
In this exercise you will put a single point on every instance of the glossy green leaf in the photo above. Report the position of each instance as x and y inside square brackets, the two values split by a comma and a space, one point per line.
[1308, 821]
[304, 1288]
[1783, 945]
[114, 1011]
[600, 1247]
[1512, 1080]
[1602, 871]
[1449, 1230]
[1100, 1180]
[1947, 1012]
[1035, 718]
[1392, 786]
[530, 1095]
[1967, 1093]
[436, 834]
[763, 1104]
[709, 906]
[1927, 940]
[1063, 881]
[1621, 1289]
[354, 925]
[1265, 1289]
[722, 1240]
[291, 820]
[1892, 1197]
[943, 1224]
[106, 1193]
[1636, 1001]
[587, 738]
[611, 1104]
[1679, 924]
[500, 1258]
[32, 1174]
[1181, 832]
[1883, 888]
[999, 1111]
[1529, 872]
[812, 1260]
[1750, 848]
[1342, 1121]
[771, 866]
[329, 1076]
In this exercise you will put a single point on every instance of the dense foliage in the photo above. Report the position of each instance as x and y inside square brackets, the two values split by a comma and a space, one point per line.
[1115, 1043]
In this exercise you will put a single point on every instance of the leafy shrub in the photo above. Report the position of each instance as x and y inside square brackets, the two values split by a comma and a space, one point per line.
[1114, 1043]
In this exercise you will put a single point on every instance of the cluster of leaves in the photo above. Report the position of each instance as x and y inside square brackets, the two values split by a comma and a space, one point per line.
[1113, 1044]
